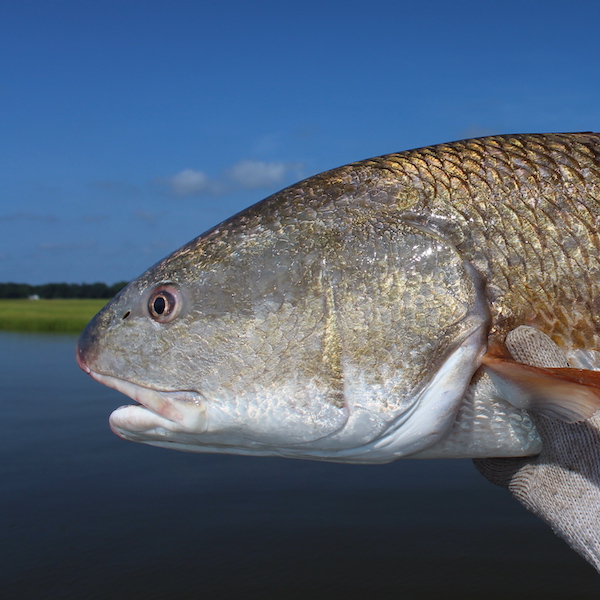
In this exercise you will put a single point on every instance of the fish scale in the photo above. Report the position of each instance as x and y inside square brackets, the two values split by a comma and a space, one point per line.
[547, 171]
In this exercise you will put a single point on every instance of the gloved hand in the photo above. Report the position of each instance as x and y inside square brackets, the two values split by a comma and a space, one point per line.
[562, 484]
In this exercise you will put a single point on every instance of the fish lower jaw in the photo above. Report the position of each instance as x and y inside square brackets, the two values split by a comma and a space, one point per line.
[156, 412]
[135, 423]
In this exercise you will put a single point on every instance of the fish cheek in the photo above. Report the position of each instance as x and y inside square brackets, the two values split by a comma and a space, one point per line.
[268, 364]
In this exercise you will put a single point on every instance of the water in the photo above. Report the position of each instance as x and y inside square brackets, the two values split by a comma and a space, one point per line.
[86, 515]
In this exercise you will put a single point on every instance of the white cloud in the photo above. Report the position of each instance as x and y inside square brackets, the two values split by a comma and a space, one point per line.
[253, 174]
[245, 174]
[190, 182]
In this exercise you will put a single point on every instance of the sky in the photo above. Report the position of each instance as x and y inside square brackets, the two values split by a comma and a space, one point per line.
[127, 128]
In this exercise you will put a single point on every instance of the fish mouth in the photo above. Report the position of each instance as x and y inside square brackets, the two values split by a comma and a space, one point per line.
[158, 413]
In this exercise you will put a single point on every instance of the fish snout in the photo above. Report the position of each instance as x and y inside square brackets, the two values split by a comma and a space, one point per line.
[87, 349]
[80, 356]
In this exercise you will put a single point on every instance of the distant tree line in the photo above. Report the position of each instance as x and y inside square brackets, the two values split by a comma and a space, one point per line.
[61, 290]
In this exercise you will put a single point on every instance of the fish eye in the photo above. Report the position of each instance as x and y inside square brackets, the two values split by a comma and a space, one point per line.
[164, 304]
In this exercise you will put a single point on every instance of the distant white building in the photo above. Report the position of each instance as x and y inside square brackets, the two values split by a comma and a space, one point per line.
[34, 297]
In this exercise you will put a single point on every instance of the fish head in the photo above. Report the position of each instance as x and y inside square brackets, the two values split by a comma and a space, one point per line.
[286, 332]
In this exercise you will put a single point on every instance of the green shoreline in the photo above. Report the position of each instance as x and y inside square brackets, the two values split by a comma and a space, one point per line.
[53, 316]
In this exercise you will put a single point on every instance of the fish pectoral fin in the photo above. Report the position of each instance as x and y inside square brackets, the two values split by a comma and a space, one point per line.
[569, 395]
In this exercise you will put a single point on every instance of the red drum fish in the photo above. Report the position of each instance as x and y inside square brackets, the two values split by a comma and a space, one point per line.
[359, 316]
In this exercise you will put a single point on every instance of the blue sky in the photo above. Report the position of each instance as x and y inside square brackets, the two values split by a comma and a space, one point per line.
[127, 128]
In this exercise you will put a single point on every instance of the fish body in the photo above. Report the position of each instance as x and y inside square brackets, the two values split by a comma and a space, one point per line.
[347, 317]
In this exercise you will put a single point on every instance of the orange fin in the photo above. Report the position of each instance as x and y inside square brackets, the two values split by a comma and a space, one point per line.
[569, 395]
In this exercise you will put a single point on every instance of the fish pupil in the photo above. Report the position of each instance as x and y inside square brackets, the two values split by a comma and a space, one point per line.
[159, 305]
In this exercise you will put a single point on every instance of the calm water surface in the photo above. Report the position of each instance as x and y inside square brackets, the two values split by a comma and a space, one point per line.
[86, 515]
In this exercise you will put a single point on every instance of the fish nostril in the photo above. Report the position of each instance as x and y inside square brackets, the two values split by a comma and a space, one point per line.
[126, 315]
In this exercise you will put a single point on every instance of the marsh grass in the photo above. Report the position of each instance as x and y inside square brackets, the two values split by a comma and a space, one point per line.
[59, 316]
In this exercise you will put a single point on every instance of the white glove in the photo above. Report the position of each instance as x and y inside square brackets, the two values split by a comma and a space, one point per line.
[562, 484]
